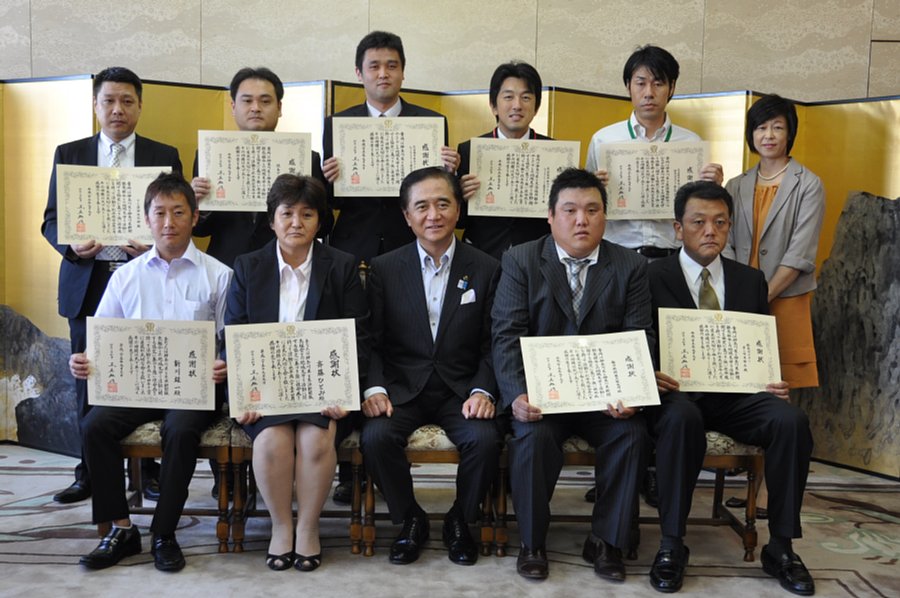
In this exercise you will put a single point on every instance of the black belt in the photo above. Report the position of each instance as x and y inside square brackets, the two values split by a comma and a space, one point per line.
[654, 252]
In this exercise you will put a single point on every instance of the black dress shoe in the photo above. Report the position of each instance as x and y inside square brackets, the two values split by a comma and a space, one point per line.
[78, 491]
[114, 547]
[741, 503]
[607, 559]
[408, 545]
[790, 572]
[458, 539]
[151, 490]
[591, 494]
[167, 553]
[667, 572]
[532, 564]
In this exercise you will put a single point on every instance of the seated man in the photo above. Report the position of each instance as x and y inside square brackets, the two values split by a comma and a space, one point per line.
[697, 276]
[430, 304]
[172, 281]
[570, 282]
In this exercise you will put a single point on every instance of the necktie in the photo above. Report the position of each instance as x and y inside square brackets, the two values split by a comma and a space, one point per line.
[111, 253]
[708, 299]
[575, 267]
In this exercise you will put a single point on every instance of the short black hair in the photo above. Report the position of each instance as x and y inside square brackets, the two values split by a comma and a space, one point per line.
[259, 72]
[376, 40]
[118, 74]
[519, 70]
[706, 190]
[430, 172]
[291, 189]
[767, 108]
[658, 61]
[169, 184]
[575, 178]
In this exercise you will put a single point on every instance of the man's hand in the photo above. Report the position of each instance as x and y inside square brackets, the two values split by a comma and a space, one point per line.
[619, 411]
[603, 175]
[87, 250]
[478, 406]
[220, 371]
[200, 186]
[249, 417]
[780, 390]
[666, 383]
[450, 158]
[712, 172]
[135, 248]
[331, 169]
[334, 412]
[376, 405]
[470, 184]
[524, 411]
[79, 365]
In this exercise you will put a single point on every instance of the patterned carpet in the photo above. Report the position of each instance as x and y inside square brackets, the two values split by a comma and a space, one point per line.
[851, 545]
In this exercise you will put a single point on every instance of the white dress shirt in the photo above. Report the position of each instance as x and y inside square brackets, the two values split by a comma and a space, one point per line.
[104, 151]
[692, 270]
[192, 287]
[591, 257]
[294, 287]
[637, 233]
[392, 112]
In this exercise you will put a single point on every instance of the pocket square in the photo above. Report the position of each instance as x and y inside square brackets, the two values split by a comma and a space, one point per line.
[467, 297]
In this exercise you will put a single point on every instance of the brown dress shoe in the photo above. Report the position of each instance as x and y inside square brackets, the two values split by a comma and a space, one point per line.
[607, 559]
[532, 564]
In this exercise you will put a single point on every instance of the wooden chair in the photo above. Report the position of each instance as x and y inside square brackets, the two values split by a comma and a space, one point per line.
[428, 444]
[722, 453]
[146, 442]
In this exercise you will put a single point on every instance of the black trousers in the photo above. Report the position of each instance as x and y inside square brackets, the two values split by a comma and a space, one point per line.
[760, 419]
[536, 459]
[384, 440]
[102, 430]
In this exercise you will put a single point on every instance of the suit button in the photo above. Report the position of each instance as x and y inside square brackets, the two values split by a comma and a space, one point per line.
[763, 251]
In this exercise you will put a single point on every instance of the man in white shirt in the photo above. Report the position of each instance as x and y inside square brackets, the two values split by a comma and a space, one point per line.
[172, 281]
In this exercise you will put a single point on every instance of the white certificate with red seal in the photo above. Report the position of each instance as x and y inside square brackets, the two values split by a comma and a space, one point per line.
[709, 350]
[570, 374]
[292, 367]
[154, 364]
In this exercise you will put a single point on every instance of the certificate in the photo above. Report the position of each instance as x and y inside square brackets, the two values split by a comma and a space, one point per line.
[568, 374]
[718, 351]
[292, 367]
[375, 154]
[242, 165]
[155, 364]
[516, 174]
[104, 204]
[643, 177]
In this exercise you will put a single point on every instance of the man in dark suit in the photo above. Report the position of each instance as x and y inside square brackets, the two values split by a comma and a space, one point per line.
[697, 276]
[570, 282]
[86, 267]
[430, 305]
[256, 95]
[370, 226]
[515, 97]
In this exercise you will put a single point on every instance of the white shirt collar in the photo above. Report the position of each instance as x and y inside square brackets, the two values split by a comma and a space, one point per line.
[641, 132]
[591, 257]
[448, 256]
[304, 268]
[692, 269]
[392, 112]
[106, 143]
[191, 254]
[500, 134]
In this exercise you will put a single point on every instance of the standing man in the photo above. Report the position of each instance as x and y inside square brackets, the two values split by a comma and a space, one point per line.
[256, 96]
[650, 75]
[515, 97]
[370, 226]
[698, 277]
[172, 281]
[87, 267]
[571, 282]
[430, 305]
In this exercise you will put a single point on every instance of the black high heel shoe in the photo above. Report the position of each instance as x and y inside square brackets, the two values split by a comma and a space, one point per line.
[307, 563]
[280, 562]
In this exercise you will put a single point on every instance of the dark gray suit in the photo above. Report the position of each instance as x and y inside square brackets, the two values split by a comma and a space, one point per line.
[429, 380]
[534, 299]
[760, 419]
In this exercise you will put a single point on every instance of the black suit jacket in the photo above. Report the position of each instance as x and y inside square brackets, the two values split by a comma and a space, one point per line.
[366, 225]
[403, 353]
[234, 233]
[534, 299]
[493, 234]
[335, 292]
[74, 272]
